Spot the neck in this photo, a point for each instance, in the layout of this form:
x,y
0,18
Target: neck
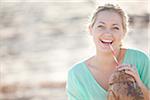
x,y
105,59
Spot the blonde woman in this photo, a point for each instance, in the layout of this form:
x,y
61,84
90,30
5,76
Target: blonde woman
x,y
89,79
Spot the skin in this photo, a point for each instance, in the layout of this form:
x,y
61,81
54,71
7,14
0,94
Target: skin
x,y
108,26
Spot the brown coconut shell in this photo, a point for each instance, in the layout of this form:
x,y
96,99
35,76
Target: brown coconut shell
x,y
124,87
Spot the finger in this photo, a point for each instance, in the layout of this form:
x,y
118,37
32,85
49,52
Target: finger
x,y
122,65
129,69
132,70
136,77
132,73
126,65
126,68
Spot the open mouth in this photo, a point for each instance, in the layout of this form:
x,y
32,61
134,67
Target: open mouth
x,y
107,42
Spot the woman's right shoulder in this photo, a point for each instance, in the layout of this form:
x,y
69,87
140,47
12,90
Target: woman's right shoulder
x,y
79,67
75,68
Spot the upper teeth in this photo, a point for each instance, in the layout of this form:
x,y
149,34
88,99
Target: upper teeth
x,y
107,40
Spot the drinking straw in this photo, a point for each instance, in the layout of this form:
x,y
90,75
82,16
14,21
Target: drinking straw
x,y
113,53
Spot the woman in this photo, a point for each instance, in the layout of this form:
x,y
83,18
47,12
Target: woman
x,y
89,79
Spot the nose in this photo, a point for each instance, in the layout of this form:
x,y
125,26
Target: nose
x,y
108,32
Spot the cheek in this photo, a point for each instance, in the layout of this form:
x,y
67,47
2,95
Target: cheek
x,y
95,38
119,37
122,36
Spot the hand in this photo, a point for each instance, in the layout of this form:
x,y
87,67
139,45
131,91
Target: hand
x,y
134,73
120,68
131,71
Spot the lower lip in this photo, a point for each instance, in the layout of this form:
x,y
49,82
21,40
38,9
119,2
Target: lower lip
x,y
105,45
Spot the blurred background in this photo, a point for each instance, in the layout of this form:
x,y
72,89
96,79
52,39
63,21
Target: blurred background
x,y
41,39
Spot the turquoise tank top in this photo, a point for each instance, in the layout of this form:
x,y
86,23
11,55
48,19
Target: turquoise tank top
x,y
81,84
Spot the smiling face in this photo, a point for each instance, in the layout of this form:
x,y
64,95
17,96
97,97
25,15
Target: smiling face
x,y
107,29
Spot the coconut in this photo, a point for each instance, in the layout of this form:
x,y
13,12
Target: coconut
x,y
123,86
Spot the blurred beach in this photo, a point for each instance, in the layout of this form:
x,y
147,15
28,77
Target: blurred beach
x,y
41,40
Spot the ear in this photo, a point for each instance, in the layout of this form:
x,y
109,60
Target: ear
x,y
90,29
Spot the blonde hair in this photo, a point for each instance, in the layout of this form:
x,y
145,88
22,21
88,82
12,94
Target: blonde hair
x,y
114,8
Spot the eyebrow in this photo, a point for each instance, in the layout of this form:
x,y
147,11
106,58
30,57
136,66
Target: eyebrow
x,y
101,22
115,24
104,23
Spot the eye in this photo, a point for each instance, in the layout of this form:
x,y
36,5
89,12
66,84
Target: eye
x,y
116,28
100,26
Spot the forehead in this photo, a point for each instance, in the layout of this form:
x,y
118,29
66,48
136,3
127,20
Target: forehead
x,y
111,17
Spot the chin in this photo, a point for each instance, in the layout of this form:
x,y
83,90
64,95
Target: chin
x,y
104,50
